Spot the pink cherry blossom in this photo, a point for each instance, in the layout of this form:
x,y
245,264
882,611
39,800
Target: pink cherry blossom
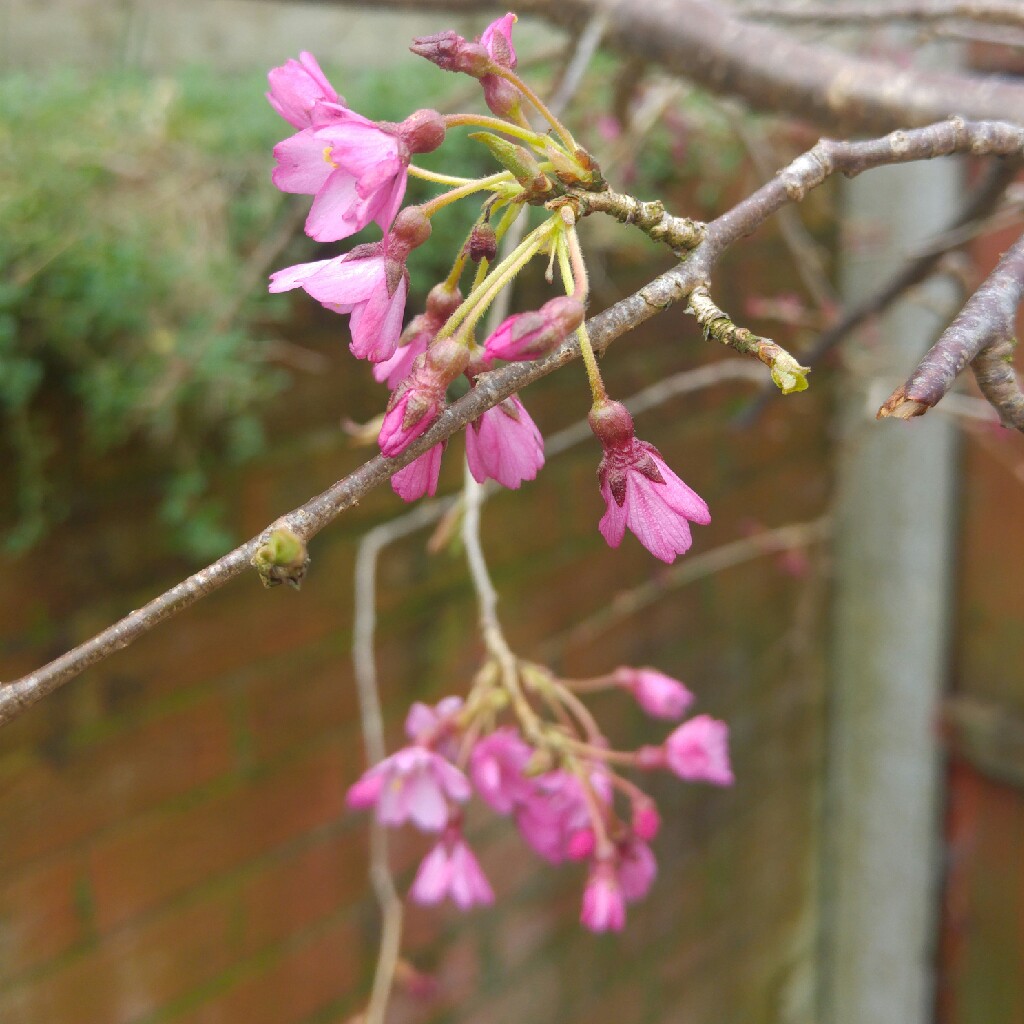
x,y
698,751
505,445
410,412
369,283
451,869
556,809
442,301
640,491
435,727
497,41
419,478
604,907
413,784
496,769
394,370
297,87
646,820
635,869
355,168
659,695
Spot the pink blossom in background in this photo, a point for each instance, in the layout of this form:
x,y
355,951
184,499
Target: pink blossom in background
x,y
604,907
451,870
659,695
435,726
297,87
640,491
635,870
496,769
698,751
369,283
556,809
413,784
646,820
505,445
419,478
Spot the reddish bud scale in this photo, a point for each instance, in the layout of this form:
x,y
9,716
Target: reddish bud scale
x,y
451,52
483,243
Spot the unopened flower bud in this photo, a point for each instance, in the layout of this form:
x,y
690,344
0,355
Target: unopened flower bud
x,y
447,358
281,558
611,423
442,301
646,820
529,335
517,159
411,228
423,131
502,97
451,52
483,243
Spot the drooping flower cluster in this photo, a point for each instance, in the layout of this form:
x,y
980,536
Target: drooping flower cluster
x,y
356,170
562,802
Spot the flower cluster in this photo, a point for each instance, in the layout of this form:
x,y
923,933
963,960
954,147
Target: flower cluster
x,y
357,171
559,792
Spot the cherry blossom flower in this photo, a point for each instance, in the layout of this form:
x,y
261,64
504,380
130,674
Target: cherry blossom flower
x,y
639,489
604,906
505,445
297,87
419,399
635,869
659,695
698,751
555,810
496,768
370,283
435,726
525,336
413,784
451,869
501,96
421,331
355,168
420,477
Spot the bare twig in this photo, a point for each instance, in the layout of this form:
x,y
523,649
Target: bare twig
x,y
630,602
977,208
987,320
791,185
768,68
991,12
993,369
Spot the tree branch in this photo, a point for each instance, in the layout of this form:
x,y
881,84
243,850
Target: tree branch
x,y
767,68
987,319
792,184
926,12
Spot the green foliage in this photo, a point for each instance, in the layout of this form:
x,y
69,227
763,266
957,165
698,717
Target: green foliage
x,y
138,226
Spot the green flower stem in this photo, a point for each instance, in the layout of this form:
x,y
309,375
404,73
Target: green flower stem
x,y
563,133
535,139
479,299
574,277
446,199
439,179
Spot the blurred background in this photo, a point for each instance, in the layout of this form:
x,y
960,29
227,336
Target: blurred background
x,y
173,841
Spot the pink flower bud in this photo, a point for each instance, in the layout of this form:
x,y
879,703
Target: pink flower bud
x,y
698,751
659,695
422,131
413,407
646,820
635,870
451,52
526,336
581,844
604,907
497,41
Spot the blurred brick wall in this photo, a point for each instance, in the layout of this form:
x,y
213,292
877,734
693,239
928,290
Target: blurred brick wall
x,y
173,842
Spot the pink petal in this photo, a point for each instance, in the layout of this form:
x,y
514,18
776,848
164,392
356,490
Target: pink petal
x,y
302,166
376,324
292,277
420,476
433,877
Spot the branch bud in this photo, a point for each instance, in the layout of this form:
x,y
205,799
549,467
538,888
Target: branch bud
x,y
281,558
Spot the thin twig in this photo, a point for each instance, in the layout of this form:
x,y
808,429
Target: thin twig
x,y
991,12
791,185
629,602
987,320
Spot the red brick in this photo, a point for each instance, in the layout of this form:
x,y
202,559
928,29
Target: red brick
x,y
294,892
52,805
129,976
307,977
39,918
151,861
